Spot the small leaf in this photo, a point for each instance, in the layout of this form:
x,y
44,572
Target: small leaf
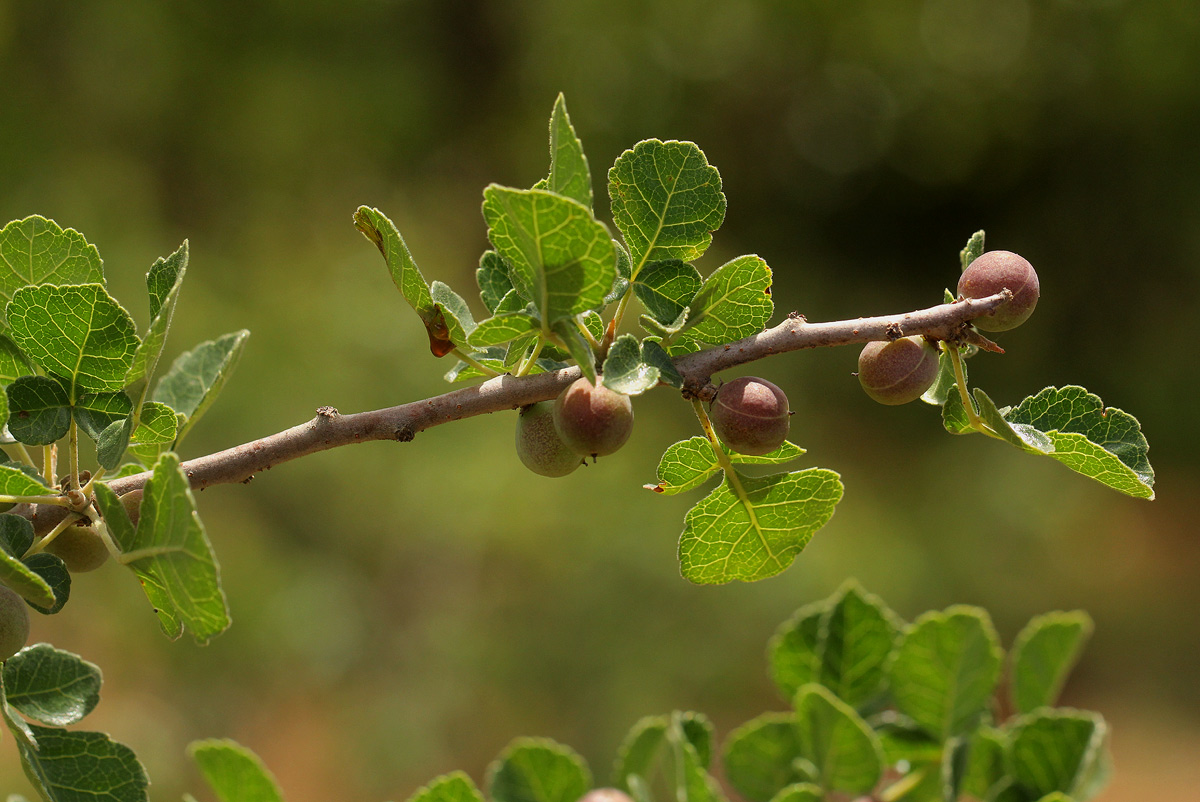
x,y
654,356
1043,655
537,770
793,652
162,283
234,773
39,410
1024,437
845,751
453,787
954,413
972,250
945,668
621,282
16,482
691,736
569,173
502,329
170,553
685,465
16,535
37,251
624,371
69,766
636,756
489,357
760,756
754,529
197,376
666,288
376,227
856,637
666,332
24,581
455,312
53,571
945,382
95,412
493,279
561,258
77,333
799,792
1103,443
985,762
157,425
1060,750
734,302
51,686
666,201
579,348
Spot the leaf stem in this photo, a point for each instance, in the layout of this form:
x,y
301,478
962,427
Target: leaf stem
x,y
529,361
50,464
24,454
40,545
73,445
484,369
960,378
56,501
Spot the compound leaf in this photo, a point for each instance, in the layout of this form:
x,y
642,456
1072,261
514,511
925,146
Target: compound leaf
x,y
734,302
841,746
751,528
197,376
666,201
38,251
78,333
51,686
1043,655
945,668
234,773
561,258
761,756
170,553
537,770
569,173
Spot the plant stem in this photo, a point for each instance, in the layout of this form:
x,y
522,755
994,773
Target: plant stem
x,y
484,369
960,379
73,445
40,545
529,361
50,464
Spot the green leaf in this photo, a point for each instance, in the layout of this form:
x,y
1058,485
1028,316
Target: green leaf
x,y
39,411
569,173
537,770
16,482
760,756
954,413
234,773
197,376
453,787
13,363
502,329
170,553
638,751
376,227
856,637
561,258
654,356
734,302
77,333
1043,655
685,465
1060,750
751,528
493,279
799,792
666,201
624,371
691,736
53,571
972,250
666,288
793,653
621,281
95,412
80,766
1024,437
666,332
455,312
37,251
489,357
834,738
945,668
51,686
16,535
985,762
162,283
14,573
945,382
157,425
578,347
1103,443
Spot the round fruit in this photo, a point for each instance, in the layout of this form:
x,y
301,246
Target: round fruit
x,y
14,623
899,371
751,415
995,271
593,420
605,795
80,548
538,444
132,502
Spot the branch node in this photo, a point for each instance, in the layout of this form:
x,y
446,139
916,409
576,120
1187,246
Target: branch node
x,y
405,434
893,331
327,412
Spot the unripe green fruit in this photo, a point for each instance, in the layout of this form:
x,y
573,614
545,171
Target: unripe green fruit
x,y
594,421
899,371
80,548
538,443
14,623
995,271
605,795
751,415
132,502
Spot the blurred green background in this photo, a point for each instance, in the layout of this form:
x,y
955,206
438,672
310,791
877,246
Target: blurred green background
x,y
404,610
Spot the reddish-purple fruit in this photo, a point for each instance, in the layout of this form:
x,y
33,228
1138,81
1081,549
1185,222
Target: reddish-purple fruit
x,y
14,623
594,421
80,548
899,371
751,415
538,444
995,271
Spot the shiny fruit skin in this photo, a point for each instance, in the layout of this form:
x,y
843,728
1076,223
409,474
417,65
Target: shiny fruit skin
x,y
594,421
995,271
14,623
751,415
899,371
538,444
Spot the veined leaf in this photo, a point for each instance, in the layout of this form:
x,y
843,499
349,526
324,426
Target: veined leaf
x,y
197,376
69,766
39,411
666,201
734,302
560,257
639,751
453,787
972,250
157,425
538,770
503,328
578,347
234,772
13,363
666,288
1060,750
625,371
834,739
376,227
569,173
50,685
14,573
53,571
761,756
455,312
38,251
16,482
162,283
493,279
689,463
751,528
95,412
1043,655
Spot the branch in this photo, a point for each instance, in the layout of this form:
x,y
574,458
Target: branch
x,y
330,429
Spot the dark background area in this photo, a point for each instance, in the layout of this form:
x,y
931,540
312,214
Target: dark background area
x,y
401,611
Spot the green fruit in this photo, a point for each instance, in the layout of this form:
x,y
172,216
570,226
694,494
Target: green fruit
x,y
594,421
132,502
14,623
751,415
995,271
80,548
538,443
899,371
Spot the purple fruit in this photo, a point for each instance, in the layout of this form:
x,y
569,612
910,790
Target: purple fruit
x,y
751,415
995,271
899,371
593,420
